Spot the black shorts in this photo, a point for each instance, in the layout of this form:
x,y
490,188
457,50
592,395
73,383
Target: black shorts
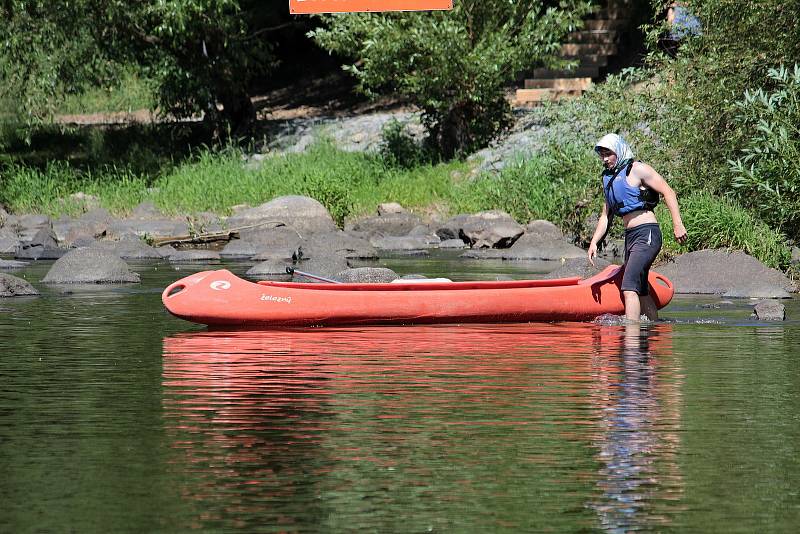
x,y
642,244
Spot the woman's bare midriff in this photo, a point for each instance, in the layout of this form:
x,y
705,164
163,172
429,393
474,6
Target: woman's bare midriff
x,y
638,217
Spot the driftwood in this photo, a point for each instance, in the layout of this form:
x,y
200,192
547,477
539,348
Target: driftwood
x,y
210,237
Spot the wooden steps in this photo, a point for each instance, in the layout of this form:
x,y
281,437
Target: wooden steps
x,y
559,84
589,48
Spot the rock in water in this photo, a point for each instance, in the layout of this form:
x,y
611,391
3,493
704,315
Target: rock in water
x,y
11,286
769,310
90,266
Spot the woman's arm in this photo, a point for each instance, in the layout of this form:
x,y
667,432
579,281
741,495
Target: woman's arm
x,y
656,182
599,232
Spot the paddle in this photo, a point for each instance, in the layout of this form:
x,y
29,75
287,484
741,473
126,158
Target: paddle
x,y
292,271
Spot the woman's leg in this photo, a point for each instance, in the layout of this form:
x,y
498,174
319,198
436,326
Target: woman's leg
x,y
633,307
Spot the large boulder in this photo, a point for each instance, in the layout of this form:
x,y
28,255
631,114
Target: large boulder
x,y
270,270
424,231
451,228
305,214
387,224
402,243
278,255
367,275
42,246
265,237
133,248
11,286
26,226
9,241
452,244
194,255
67,231
543,230
238,248
148,228
577,267
534,247
325,267
490,229
337,243
90,266
726,273
97,215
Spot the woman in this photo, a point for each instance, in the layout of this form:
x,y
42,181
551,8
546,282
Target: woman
x,y
632,189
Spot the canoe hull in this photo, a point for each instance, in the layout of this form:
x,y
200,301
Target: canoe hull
x,y
220,298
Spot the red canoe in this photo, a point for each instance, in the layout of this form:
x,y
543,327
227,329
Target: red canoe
x,y
220,298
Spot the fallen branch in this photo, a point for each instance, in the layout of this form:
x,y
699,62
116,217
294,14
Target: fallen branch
x,y
210,237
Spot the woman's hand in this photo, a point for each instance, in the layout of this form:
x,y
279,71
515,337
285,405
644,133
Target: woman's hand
x,y
680,232
592,252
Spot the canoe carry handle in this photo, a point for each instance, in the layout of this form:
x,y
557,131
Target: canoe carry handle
x,y
663,281
292,271
173,289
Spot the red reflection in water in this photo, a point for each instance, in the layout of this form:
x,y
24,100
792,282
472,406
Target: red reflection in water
x,y
263,411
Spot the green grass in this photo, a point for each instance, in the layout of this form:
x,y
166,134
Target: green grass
x,y
714,222
555,185
131,93
346,183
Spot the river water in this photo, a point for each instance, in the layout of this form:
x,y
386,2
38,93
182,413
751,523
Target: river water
x,y
115,416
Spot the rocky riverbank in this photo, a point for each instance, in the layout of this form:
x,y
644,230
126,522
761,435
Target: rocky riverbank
x,y
298,232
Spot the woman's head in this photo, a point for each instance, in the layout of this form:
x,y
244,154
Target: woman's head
x,y
614,151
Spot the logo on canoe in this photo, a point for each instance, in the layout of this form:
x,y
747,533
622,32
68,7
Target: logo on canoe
x,y
272,298
219,285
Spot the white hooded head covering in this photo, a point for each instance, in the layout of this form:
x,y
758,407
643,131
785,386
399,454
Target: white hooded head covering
x,y
618,146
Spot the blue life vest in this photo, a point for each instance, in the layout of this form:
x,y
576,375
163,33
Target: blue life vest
x,y
622,198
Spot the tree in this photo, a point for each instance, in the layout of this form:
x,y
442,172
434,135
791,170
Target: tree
x,y
47,52
453,64
203,55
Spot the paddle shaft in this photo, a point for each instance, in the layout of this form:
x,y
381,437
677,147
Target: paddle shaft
x,y
292,270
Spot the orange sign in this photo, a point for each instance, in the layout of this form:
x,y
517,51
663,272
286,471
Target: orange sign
x,y
298,7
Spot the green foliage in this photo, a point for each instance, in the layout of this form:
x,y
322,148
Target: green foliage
x,y
130,93
203,56
552,186
739,43
715,222
453,64
400,149
766,177
49,52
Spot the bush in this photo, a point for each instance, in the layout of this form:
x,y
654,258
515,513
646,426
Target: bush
x,y
400,149
766,178
553,186
453,64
